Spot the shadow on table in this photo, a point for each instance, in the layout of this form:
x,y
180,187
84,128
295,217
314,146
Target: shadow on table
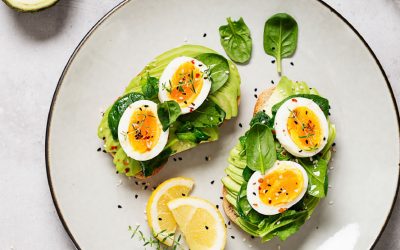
x,y
44,24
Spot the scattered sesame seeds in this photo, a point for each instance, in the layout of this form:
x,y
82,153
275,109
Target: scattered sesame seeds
x,y
206,227
229,223
272,82
217,206
159,218
104,151
233,237
212,182
221,198
119,206
240,125
136,196
183,194
255,96
99,149
273,61
255,90
205,34
291,63
180,158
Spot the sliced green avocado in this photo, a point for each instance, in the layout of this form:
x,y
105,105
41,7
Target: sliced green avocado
x,y
30,5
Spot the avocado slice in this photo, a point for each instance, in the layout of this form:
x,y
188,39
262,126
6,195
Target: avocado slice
x,y
30,5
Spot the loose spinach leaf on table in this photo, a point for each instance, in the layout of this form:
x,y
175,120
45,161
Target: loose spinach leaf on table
x,y
260,148
168,112
118,109
280,37
236,40
218,68
209,114
150,87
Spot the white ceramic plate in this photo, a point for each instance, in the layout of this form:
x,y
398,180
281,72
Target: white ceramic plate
x,y
331,56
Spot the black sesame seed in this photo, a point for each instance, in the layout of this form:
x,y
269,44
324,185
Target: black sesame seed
x,y
119,206
221,198
273,61
273,48
300,151
255,90
295,122
254,193
240,125
212,182
159,218
334,144
269,201
229,223
137,183
145,187
233,237
183,194
104,138
272,81
324,138
291,63
174,159
206,227
104,151
255,96
146,106
287,193
143,183
99,149
136,196
180,158
217,206
117,172
207,158
252,236
205,34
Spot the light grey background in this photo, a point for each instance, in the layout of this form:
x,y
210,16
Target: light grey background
x,y
34,49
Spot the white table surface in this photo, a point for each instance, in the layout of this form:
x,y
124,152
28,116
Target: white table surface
x,y
34,49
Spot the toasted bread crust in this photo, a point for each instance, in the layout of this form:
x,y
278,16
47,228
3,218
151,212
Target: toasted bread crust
x,y
263,99
228,208
260,104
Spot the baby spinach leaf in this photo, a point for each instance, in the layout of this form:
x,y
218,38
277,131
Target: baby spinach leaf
x,y
218,69
188,132
261,118
236,40
150,87
280,37
209,114
244,208
320,101
118,109
168,112
247,173
149,166
260,148
317,176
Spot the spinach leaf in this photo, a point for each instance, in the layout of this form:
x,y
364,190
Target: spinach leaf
x,y
188,132
118,109
247,173
236,40
244,208
149,166
320,101
168,112
261,118
218,68
317,172
209,114
280,37
150,87
260,148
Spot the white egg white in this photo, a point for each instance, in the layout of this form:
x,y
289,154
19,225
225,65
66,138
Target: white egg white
x,y
253,188
167,75
282,134
124,125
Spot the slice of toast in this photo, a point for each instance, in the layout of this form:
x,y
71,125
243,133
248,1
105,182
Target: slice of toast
x,y
141,176
261,102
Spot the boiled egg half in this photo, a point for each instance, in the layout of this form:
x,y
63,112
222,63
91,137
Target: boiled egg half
x,y
278,189
140,131
301,127
186,81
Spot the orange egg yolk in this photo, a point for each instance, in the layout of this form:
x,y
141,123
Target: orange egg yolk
x,y
281,186
304,128
186,84
144,130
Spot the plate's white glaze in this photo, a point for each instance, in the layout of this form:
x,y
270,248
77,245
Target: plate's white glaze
x,y
330,56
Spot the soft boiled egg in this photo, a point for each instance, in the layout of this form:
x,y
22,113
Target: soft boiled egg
x,y
140,131
278,189
186,81
301,127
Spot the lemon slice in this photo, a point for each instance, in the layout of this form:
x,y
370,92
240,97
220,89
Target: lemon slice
x,y
159,216
200,222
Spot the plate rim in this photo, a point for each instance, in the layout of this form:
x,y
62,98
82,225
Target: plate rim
x,y
122,4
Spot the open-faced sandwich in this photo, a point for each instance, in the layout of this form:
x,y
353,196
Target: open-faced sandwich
x,y
277,172
176,102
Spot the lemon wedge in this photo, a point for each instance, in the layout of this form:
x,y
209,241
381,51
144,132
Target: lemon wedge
x,y
201,223
159,217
